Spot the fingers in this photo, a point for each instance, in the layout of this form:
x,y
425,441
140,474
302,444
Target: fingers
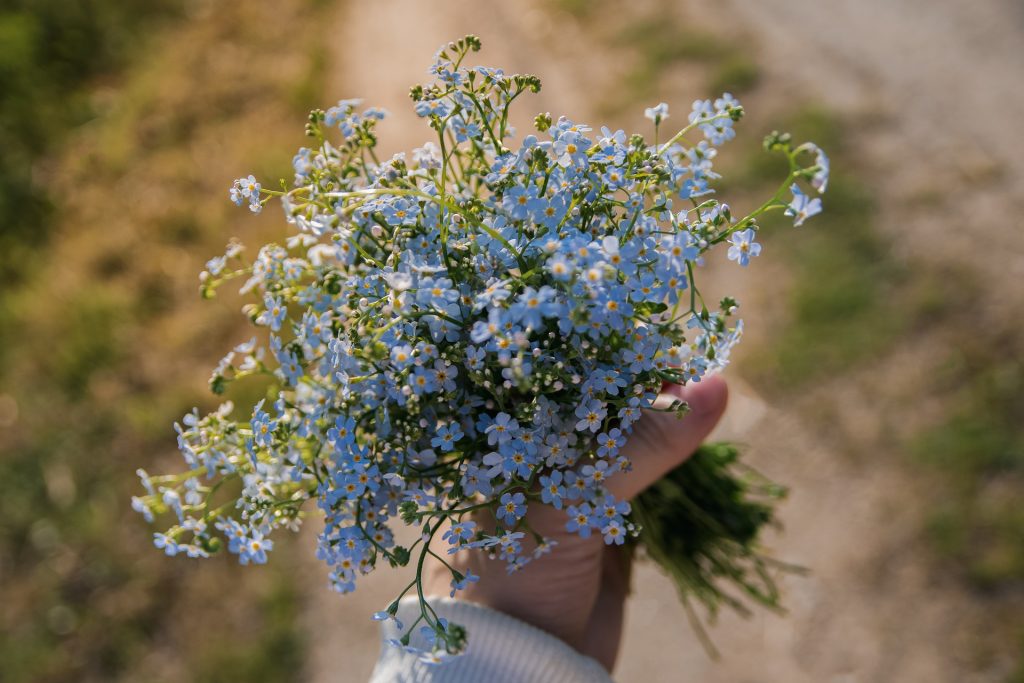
x,y
604,628
661,441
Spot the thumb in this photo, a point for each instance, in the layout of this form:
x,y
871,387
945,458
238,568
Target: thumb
x,y
662,441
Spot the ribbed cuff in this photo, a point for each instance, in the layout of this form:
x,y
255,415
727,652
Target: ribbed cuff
x,y
502,649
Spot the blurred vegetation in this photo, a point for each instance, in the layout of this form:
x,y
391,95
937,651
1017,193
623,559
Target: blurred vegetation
x,y
979,522
847,299
104,337
661,44
579,9
52,55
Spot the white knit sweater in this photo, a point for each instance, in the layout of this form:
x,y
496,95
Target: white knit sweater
x,y
502,650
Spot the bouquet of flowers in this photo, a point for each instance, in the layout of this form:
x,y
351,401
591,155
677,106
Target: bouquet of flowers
x,y
472,330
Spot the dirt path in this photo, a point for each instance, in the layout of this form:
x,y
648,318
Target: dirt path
x,y
923,72
940,81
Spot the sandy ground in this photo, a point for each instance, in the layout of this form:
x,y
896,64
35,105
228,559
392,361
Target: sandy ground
x,y
937,80
940,80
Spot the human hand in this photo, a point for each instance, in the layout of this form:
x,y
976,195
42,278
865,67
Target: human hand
x,y
577,593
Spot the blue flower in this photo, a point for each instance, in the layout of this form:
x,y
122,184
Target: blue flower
x,y
549,212
274,313
475,481
485,329
495,293
713,121
695,368
579,519
610,442
819,181
802,207
445,374
551,489
679,249
611,508
502,430
512,459
291,368
438,108
657,113
701,111
614,178
167,544
460,584
608,381
216,265
726,102
262,427
400,212
508,542
350,485
459,532
401,356
388,616
423,381
255,549
343,434
503,165
447,436
517,201
246,189
316,329
234,532
492,75
570,149
143,508
437,292
611,148
475,357
591,413
534,305
512,507
555,450
464,130
646,287
559,267
614,533
597,473
743,246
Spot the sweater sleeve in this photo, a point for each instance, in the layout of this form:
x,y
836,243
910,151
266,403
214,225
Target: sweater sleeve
x,y
501,649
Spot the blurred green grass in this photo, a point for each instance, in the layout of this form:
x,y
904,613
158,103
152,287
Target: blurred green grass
x,y
52,55
104,337
979,522
659,43
841,307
